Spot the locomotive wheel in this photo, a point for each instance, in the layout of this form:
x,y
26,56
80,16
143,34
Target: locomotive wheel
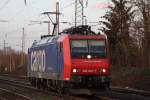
x,y
107,86
49,84
45,84
31,81
34,82
67,92
60,87
60,91
38,85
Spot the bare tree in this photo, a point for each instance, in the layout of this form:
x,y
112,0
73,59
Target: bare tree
x,y
11,60
117,28
144,27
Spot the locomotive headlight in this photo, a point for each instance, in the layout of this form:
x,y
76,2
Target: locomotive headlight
x,y
89,56
74,70
104,70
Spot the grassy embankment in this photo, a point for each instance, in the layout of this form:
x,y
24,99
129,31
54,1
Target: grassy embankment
x,y
132,77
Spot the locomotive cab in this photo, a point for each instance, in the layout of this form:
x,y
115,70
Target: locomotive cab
x,y
89,61
89,57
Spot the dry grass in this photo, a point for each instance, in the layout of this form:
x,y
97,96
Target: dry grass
x,y
138,78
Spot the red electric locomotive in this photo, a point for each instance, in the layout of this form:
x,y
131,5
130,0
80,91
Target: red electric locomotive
x,y
76,58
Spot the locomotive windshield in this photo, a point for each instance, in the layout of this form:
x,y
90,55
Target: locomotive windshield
x,y
81,48
96,46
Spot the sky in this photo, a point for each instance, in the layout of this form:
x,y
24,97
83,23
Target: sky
x,y
14,15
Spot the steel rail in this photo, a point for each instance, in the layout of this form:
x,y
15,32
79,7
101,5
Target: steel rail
x,y
16,94
131,91
27,86
112,89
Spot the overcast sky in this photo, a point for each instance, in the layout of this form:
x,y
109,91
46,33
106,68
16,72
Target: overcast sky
x,y
18,16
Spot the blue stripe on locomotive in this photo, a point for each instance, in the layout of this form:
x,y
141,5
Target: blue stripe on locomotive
x,y
54,61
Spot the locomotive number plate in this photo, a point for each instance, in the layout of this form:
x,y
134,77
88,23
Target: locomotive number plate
x,y
89,71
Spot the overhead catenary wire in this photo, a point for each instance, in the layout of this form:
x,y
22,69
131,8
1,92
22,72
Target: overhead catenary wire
x,y
5,4
17,13
21,11
69,5
2,20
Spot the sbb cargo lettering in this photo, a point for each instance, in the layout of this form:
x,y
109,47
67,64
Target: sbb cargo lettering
x,y
38,61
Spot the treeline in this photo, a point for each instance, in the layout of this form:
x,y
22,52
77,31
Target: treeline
x,y
11,60
127,25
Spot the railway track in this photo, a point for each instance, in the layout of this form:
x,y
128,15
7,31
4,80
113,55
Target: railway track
x,y
112,94
15,96
25,85
116,93
20,89
17,83
130,90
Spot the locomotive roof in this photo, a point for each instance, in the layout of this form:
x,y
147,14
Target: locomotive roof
x,y
51,39
45,40
80,30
